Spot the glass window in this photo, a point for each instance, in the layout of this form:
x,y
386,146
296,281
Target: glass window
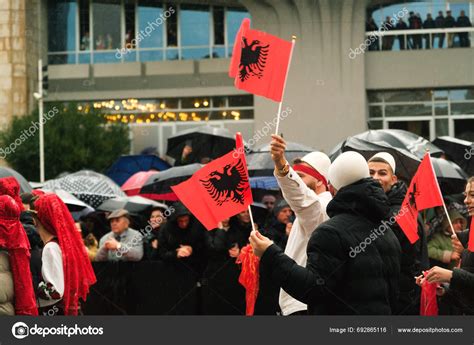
x,y
375,111
84,27
62,22
441,108
421,128
408,96
375,97
234,17
442,127
461,95
408,110
462,108
150,27
218,21
172,28
106,21
129,41
440,95
242,101
218,102
464,129
375,124
195,102
195,28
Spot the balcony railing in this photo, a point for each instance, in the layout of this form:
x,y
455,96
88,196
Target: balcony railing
x,y
420,39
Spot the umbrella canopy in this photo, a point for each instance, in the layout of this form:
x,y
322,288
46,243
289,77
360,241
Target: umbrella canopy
x,y
260,162
206,141
158,186
459,151
126,166
406,163
401,139
264,182
133,185
72,203
24,185
88,186
451,178
133,204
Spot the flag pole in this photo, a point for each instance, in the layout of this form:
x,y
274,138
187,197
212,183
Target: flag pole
x,y
277,127
251,218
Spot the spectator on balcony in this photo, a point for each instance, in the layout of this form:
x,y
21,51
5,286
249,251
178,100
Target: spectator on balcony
x,y
415,23
371,26
387,40
439,24
449,23
85,41
122,243
429,23
464,22
401,25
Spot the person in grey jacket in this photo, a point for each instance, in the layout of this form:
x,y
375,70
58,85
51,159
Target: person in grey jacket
x,y
6,285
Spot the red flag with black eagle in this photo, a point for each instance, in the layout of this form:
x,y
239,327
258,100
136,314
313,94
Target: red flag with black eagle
x,y
470,244
423,193
219,190
260,62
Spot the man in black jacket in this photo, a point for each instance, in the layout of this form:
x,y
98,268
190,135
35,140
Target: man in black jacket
x,y
463,22
439,23
401,25
414,257
450,22
353,262
429,23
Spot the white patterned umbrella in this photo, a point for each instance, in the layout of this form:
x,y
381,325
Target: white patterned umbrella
x,y
88,186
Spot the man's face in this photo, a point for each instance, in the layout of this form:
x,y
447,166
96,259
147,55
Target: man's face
x,y
469,200
382,172
308,180
269,201
119,225
462,14
284,215
183,221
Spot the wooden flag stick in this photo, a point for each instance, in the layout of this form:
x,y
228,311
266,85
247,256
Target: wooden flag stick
x,y
251,218
277,127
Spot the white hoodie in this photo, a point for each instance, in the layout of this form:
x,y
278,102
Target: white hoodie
x,y
310,211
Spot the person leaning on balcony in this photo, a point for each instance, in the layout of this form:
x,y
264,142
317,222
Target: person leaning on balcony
x,y
387,41
464,22
401,25
429,23
450,22
439,23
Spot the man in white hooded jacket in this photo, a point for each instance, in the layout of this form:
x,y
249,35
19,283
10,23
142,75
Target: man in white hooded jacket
x,y
305,189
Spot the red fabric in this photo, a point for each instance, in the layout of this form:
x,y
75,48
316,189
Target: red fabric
x,y
219,190
133,185
310,171
264,76
13,238
10,186
249,277
423,193
428,302
470,244
78,272
166,196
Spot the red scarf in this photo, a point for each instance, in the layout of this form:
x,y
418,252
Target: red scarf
x,y
428,302
78,272
249,277
10,186
13,238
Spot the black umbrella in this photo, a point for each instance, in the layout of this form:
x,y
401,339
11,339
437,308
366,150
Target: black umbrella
x,y
459,151
158,186
24,185
260,162
133,204
406,163
451,178
401,139
206,141
88,186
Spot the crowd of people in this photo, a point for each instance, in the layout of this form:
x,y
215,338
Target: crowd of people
x,y
306,236
415,22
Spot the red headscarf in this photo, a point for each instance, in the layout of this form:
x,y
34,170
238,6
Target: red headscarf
x,y
13,238
10,186
78,272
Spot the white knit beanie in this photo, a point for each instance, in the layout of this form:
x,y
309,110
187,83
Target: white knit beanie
x,y
318,161
387,157
348,168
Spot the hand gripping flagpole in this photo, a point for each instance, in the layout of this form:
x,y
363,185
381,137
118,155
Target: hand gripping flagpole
x,y
293,41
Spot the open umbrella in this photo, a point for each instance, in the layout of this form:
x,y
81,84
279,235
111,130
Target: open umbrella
x,y
451,178
158,186
88,186
126,166
459,151
401,139
24,185
133,185
206,141
133,204
406,163
260,162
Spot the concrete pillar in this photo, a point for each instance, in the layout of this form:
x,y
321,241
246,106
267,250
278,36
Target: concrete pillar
x,y
325,88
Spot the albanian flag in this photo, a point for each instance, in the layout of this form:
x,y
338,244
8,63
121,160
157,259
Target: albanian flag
x,y
219,190
470,244
428,302
260,62
423,193
249,277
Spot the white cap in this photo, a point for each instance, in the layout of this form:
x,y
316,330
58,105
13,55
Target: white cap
x,y
348,168
387,157
318,161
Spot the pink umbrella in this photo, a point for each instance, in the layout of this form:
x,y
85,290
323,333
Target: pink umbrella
x,y
133,185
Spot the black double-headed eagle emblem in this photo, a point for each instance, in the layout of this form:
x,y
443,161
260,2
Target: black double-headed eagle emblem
x,y
253,59
230,185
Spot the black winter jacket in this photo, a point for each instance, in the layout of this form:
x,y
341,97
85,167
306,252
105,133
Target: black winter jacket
x,y
353,264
